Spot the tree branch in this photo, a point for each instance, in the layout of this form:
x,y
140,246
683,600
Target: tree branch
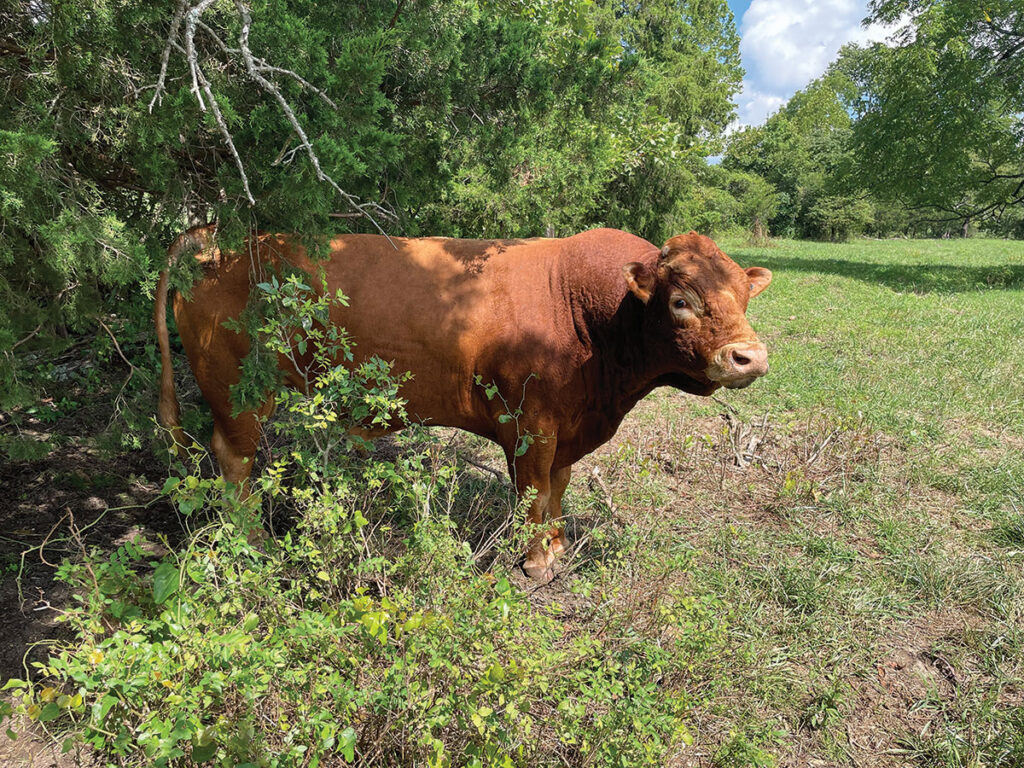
x,y
166,55
269,87
256,69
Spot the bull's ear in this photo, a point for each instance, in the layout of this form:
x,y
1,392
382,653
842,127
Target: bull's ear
x,y
759,278
640,280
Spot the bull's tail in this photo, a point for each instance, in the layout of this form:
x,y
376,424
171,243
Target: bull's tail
x,y
168,410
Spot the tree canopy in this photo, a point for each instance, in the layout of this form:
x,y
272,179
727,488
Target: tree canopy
x,y
941,118
124,122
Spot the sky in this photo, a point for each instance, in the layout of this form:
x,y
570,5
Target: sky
x,y
787,43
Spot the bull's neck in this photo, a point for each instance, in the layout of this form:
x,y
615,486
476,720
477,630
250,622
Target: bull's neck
x,y
609,322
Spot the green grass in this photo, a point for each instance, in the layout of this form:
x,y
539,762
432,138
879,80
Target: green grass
x,y
922,337
868,562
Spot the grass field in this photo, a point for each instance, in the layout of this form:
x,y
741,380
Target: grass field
x,y
837,551
856,517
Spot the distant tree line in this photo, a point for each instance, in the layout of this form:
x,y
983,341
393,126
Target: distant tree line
x,y
923,136
121,123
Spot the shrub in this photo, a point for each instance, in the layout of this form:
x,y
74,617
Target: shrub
x,y
365,632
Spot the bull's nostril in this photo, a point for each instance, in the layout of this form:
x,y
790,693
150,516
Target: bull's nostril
x,y
739,359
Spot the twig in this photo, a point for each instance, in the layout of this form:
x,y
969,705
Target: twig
x,y
118,348
119,400
501,478
165,56
34,332
595,476
824,443
725,405
46,538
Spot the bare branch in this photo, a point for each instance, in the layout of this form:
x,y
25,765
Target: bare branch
x,y
222,124
263,66
33,333
257,69
165,56
269,87
190,47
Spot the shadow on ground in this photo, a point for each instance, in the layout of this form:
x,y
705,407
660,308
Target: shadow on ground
x,y
109,500
923,278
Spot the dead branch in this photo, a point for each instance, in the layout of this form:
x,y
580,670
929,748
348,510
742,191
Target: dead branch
x,y
22,341
486,468
745,439
816,452
269,87
131,368
596,479
263,66
166,55
181,38
191,18
46,538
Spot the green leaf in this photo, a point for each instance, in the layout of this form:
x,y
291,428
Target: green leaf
x,y
49,712
165,582
496,673
101,708
347,743
201,754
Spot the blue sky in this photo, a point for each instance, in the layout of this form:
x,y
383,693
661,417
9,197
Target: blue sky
x,y
787,43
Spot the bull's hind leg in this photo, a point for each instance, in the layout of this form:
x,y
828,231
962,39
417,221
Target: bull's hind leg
x,y
235,441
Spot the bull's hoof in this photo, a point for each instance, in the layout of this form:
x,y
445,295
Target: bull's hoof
x,y
557,545
538,572
540,563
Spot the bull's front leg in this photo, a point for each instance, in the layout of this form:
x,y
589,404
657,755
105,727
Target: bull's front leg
x,y
532,473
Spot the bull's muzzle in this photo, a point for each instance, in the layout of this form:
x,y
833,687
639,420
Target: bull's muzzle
x,y
738,365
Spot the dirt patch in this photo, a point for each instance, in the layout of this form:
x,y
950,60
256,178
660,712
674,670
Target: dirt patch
x,y
109,499
914,683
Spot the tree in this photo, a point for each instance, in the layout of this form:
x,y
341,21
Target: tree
x,y
756,202
124,122
803,151
940,123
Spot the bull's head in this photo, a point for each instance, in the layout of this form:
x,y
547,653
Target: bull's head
x,y
696,299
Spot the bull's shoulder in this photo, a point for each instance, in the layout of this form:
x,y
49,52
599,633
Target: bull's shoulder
x,y
604,237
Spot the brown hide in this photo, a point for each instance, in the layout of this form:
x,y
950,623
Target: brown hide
x,y
599,320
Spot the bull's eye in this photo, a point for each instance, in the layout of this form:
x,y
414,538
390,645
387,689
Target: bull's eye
x,y
680,303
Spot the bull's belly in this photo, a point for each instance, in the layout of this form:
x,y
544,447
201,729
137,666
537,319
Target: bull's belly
x,y
437,397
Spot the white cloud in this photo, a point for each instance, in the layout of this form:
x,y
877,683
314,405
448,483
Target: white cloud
x,y
755,106
787,43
